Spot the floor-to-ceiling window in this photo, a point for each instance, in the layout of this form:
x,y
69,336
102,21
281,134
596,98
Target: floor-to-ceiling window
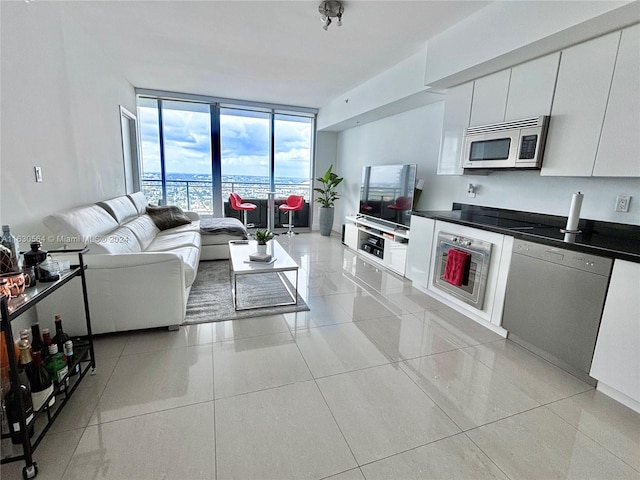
x,y
196,152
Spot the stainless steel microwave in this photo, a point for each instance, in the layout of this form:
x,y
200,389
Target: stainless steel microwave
x,y
516,144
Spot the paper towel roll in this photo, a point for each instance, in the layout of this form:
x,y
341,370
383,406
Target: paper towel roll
x,y
574,212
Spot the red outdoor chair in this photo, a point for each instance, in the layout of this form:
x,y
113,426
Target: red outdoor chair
x,y
402,204
239,205
294,203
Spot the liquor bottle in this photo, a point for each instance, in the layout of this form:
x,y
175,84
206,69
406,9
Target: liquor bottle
x,y
40,381
56,365
10,242
68,351
12,406
46,343
60,337
36,339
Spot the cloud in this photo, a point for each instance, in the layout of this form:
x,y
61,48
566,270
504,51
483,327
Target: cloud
x,y
244,143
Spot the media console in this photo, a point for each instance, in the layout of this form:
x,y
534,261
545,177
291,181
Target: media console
x,y
379,243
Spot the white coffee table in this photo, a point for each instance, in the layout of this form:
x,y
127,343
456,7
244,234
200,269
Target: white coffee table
x,y
239,251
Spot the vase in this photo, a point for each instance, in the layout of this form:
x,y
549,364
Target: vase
x,y
261,248
326,220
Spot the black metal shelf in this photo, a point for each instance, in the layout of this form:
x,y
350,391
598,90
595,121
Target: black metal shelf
x,y
43,419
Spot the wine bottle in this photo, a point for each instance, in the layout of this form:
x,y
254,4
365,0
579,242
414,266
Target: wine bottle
x,y
56,365
68,351
60,336
46,343
36,339
14,411
41,384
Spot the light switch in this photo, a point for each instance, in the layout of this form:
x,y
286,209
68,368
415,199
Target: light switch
x,y
38,171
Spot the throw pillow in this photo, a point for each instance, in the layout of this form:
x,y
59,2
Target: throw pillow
x,y
168,217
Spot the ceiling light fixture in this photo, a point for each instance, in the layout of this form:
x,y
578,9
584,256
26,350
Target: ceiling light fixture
x,y
329,10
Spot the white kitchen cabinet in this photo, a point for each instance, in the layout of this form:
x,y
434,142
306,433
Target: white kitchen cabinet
x,y
616,361
457,108
490,98
523,91
619,150
531,88
419,250
582,89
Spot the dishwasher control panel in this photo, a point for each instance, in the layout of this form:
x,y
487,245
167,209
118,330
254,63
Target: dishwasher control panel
x,y
561,256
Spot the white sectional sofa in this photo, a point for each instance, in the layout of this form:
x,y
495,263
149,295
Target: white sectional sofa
x,y
137,276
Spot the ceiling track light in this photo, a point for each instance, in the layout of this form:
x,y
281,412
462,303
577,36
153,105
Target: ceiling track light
x,y
329,10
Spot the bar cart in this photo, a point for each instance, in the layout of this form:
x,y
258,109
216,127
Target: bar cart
x,y
84,358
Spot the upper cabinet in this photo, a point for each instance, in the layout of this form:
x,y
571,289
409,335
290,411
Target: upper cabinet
x,y
595,121
489,98
584,79
531,88
457,108
521,92
619,150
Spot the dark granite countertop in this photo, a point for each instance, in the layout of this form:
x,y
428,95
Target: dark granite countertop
x,y
613,240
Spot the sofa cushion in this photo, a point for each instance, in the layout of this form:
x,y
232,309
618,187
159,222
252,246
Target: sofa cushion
x,y
120,208
168,216
144,229
121,240
167,243
82,223
194,226
139,201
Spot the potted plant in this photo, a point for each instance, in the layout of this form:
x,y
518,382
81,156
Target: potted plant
x,y
327,198
263,236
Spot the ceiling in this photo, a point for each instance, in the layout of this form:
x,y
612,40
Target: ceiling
x,y
267,51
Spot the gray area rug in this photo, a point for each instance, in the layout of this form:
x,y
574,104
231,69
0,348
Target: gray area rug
x,y
210,298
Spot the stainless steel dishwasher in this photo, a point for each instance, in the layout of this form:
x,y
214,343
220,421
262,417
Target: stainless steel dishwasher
x,y
554,303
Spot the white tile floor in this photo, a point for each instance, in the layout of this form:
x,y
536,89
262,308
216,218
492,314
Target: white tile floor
x,y
377,381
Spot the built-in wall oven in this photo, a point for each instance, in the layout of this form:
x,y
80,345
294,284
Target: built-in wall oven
x,y
472,284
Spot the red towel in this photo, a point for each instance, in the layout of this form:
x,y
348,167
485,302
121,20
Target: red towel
x,y
457,267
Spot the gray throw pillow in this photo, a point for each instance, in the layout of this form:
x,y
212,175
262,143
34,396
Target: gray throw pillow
x,y
167,217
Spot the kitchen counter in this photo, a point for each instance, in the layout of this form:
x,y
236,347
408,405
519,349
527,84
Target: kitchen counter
x,y
613,240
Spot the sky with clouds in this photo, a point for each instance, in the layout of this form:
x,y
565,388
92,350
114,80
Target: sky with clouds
x,y
245,142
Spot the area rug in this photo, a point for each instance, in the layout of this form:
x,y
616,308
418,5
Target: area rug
x,y
210,298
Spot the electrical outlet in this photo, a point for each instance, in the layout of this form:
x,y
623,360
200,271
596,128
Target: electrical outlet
x,y
38,172
622,203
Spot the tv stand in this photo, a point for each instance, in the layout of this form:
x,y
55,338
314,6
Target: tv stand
x,y
381,244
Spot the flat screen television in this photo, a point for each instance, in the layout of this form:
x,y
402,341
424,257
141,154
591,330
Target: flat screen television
x,y
386,193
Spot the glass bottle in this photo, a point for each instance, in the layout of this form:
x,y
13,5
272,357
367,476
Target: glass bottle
x,y
9,241
13,408
68,351
60,337
46,343
56,365
41,384
36,339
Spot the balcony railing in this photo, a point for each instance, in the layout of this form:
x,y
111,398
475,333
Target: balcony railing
x,y
197,195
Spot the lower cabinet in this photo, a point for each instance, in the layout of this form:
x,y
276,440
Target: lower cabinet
x,y
616,360
419,250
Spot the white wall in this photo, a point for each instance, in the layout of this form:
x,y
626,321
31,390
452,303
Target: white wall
x,y
414,137
326,154
409,137
60,110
